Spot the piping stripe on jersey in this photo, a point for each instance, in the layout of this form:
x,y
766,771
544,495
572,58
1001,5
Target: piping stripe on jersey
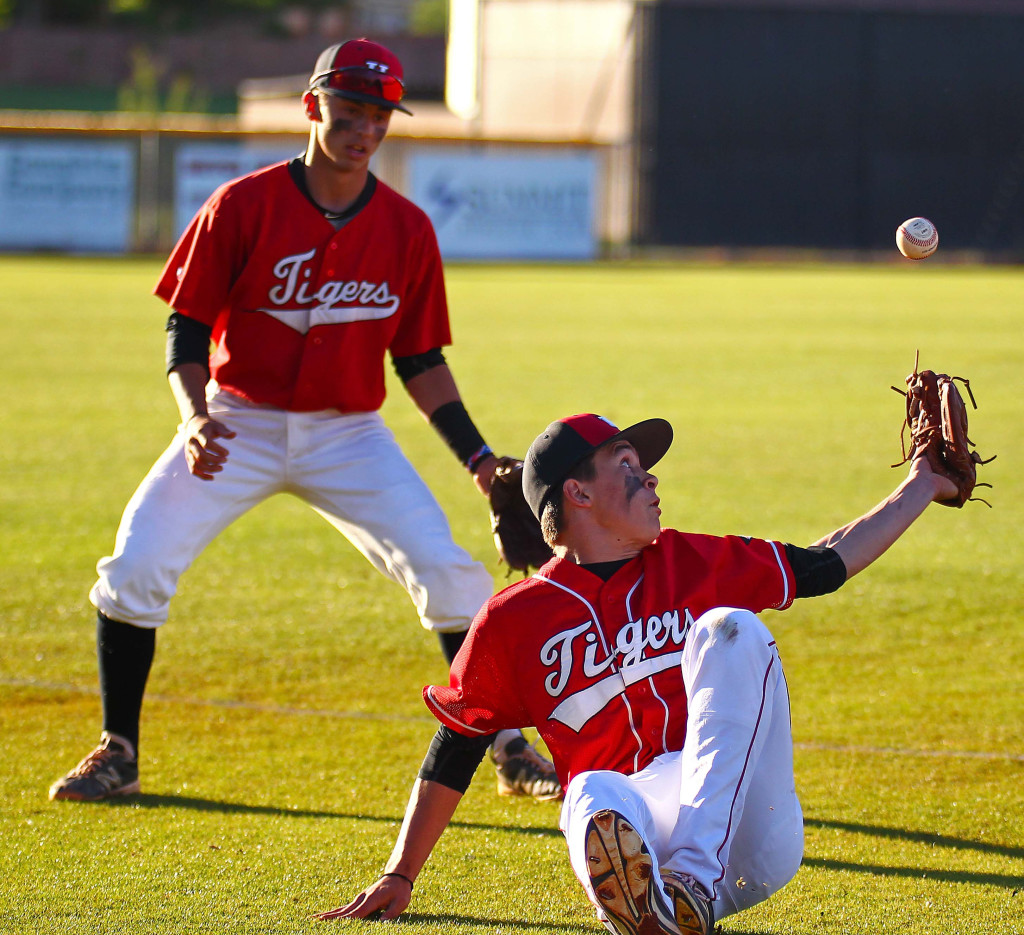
x,y
650,680
444,716
590,608
785,581
664,724
632,727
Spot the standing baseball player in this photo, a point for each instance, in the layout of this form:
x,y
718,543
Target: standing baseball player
x,y
637,654
302,276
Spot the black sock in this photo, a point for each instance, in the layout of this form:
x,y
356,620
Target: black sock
x,y
450,643
125,655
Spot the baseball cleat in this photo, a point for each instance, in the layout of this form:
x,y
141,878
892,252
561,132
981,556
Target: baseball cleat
x,y
110,770
523,771
691,908
621,873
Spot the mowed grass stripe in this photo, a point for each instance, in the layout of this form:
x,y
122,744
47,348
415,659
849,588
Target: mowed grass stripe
x,y
57,687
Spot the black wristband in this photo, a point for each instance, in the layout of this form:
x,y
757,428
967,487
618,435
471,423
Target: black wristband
x,y
454,425
401,876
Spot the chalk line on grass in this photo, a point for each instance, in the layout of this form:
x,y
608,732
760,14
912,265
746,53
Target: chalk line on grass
x,y
286,711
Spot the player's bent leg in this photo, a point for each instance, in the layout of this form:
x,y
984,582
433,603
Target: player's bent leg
x,y
736,769
767,847
642,807
170,519
766,854
357,477
606,827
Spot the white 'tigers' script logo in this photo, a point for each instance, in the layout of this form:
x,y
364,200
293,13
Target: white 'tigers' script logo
x,y
296,305
559,654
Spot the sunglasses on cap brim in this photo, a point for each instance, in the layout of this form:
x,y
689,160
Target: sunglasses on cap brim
x,y
362,81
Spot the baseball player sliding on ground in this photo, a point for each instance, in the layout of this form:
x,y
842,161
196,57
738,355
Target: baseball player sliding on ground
x,y
637,654
303,275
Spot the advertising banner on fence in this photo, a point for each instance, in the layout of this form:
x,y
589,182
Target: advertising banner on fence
x,y
508,206
74,196
199,168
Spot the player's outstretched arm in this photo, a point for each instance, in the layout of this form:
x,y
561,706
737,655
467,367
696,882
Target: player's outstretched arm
x,y
204,455
861,542
428,813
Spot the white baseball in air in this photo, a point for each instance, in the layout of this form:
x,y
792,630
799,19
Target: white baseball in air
x,y
917,238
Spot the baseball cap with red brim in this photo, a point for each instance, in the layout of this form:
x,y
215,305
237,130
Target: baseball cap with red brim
x,y
565,444
361,70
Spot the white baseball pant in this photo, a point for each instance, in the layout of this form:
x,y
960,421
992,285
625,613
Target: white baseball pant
x,y
349,468
723,810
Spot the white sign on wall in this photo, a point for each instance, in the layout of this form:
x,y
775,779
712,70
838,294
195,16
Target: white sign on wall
x,y
503,206
200,168
76,196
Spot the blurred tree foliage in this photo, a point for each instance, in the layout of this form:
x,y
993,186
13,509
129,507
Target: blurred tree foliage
x,y
429,18
426,17
175,15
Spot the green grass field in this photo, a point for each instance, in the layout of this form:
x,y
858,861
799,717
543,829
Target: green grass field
x,y
284,725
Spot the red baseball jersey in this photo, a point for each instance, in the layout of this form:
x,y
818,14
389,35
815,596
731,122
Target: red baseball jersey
x,y
301,313
595,665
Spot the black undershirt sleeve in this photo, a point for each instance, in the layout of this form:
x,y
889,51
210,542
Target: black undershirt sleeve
x,y
188,342
453,758
818,570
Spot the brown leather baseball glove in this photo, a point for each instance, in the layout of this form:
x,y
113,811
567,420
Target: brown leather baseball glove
x,y
516,530
937,419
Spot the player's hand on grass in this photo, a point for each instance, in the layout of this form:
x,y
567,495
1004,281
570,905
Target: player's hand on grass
x,y
384,900
203,454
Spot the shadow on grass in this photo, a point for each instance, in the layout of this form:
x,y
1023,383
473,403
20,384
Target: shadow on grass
x,y
451,918
241,808
921,873
918,837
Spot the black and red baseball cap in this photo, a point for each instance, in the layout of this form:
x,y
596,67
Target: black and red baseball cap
x,y
565,444
361,70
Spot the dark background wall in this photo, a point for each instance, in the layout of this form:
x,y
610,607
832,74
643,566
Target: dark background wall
x,y
827,127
